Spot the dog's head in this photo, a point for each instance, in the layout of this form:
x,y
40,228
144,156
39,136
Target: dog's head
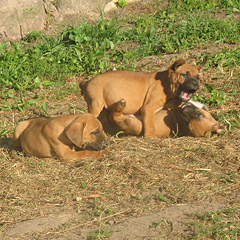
x,y
86,132
199,120
185,78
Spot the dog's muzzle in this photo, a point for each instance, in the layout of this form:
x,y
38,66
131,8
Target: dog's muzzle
x,y
99,145
188,88
188,111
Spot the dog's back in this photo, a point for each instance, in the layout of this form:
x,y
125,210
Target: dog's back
x,y
108,88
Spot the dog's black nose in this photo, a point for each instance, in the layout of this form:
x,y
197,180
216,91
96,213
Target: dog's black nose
x,y
191,83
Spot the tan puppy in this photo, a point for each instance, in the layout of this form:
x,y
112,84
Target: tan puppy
x,y
144,92
179,119
61,137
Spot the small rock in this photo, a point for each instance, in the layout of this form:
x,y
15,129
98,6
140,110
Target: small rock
x,y
110,7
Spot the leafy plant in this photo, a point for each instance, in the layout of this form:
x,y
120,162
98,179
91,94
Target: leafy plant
x,y
199,5
3,130
101,234
122,3
40,61
216,97
216,225
230,118
44,106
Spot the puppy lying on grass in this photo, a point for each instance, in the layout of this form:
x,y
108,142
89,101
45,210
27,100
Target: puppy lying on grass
x,y
70,137
177,119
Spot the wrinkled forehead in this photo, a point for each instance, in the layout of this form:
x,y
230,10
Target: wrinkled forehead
x,y
92,122
207,117
193,70
95,125
206,114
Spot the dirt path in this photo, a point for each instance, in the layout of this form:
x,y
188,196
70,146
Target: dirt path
x,y
167,223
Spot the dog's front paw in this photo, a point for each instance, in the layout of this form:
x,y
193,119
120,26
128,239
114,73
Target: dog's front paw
x,y
104,152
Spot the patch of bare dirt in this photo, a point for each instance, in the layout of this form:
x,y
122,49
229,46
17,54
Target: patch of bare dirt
x,y
166,223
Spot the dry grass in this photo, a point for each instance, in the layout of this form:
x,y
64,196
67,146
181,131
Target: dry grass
x,y
139,177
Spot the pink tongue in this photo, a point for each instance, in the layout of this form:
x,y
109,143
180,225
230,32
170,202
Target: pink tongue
x,y
185,95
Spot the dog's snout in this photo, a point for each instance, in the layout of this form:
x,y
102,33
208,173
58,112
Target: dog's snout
x,y
102,142
195,84
191,83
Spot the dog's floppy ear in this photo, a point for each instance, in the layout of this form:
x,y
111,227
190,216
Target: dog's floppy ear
x,y
177,64
74,132
200,67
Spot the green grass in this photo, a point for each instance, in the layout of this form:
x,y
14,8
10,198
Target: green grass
x,y
199,5
216,97
39,62
216,225
121,3
230,118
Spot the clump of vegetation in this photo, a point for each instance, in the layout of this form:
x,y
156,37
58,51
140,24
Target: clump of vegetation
x,y
122,3
216,225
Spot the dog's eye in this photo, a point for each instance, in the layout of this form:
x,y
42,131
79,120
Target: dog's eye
x,y
200,116
97,132
184,74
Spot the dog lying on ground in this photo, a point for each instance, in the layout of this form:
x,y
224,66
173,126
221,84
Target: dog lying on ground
x,y
178,119
144,92
66,137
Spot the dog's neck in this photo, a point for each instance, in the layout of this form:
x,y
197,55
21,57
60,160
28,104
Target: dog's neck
x,y
165,79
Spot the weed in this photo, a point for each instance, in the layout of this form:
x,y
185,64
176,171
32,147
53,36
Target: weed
x,y
161,197
216,225
3,130
216,98
226,58
101,234
121,3
89,48
34,36
44,106
199,5
119,133
230,118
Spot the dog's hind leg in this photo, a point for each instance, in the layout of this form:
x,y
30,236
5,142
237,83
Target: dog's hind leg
x,y
95,107
148,114
129,124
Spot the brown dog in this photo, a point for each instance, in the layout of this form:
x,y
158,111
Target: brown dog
x,y
178,119
143,92
61,136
